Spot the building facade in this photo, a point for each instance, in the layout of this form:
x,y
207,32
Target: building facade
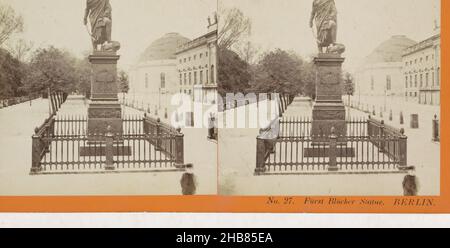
x,y
421,71
197,66
172,65
153,80
381,73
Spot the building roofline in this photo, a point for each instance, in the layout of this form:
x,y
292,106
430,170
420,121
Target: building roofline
x,y
202,40
421,45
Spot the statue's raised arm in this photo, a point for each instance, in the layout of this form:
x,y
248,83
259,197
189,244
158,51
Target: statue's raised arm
x,y
324,14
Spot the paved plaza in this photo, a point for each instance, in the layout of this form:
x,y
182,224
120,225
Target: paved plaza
x,y
237,160
15,160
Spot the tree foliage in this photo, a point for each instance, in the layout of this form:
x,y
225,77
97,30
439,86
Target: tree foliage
x,y
10,23
349,86
11,75
51,68
234,73
282,72
123,81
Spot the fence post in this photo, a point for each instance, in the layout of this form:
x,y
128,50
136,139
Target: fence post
x,y
145,124
382,137
158,134
36,151
369,127
436,134
109,150
179,149
403,149
332,151
260,156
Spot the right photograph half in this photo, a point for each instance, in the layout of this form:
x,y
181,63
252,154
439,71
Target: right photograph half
x,y
329,97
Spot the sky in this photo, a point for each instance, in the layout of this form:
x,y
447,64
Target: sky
x,y
362,24
136,23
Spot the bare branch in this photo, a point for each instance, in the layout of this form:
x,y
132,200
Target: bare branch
x,y
10,23
233,26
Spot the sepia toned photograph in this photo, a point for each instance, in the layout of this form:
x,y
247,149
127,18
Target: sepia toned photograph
x,y
108,97
329,97
222,99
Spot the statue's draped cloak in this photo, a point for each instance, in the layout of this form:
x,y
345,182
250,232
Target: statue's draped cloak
x,y
324,10
98,9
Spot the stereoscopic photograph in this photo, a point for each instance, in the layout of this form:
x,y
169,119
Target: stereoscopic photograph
x,y
108,97
220,98
329,97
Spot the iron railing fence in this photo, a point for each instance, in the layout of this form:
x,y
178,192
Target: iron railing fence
x,y
356,127
356,155
369,147
62,145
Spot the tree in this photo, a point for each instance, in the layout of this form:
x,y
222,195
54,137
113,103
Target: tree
x,y
233,26
234,75
278,72
10,23
11,75
20,49
349,86
124,82
248,52
52,68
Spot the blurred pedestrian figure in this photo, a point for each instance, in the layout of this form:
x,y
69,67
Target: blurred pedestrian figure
x,y
189,181
410,182
212,127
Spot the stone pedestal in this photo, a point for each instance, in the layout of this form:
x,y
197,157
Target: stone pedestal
x,y
329,109
104,109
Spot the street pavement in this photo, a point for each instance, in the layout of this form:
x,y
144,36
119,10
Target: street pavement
x,y
237,160
16,129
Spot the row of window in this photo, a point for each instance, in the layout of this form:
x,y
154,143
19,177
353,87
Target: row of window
x,y
187,59
420,60
186,78
409,82
412,94
188,92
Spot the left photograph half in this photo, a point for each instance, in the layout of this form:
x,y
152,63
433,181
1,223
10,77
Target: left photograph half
x,y
108,97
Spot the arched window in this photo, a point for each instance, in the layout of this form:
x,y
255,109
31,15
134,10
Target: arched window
x,y
212,74
163,80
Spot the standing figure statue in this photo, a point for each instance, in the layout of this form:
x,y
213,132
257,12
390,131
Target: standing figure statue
x,y
324,13
99,13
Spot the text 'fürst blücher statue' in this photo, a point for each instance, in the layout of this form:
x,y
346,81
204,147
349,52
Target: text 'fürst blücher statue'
x,y
99,13
324,14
